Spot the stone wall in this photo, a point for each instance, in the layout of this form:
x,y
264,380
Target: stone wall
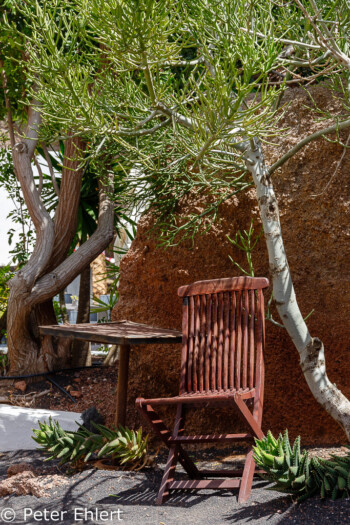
x,y
315,215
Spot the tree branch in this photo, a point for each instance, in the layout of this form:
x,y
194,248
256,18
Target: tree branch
x,y
22,155
7,105
306,140
48,285
51,170
327,38
283,40
40,172
141,132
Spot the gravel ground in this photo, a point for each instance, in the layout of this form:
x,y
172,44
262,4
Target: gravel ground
x,y
100,496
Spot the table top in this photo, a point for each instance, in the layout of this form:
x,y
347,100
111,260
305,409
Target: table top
x,y
117,333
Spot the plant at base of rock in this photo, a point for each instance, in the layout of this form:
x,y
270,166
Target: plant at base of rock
x,y
122,445
293,472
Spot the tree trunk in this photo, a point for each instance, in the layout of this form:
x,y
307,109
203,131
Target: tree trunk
x,y
48,271
81,350
311,350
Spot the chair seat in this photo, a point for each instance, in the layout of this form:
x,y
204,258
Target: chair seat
x,y
201,397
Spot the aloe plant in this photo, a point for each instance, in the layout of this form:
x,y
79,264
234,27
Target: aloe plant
x,y
294,472
122,445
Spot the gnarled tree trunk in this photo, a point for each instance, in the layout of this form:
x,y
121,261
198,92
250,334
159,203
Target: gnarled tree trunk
x,y
81,350
48,270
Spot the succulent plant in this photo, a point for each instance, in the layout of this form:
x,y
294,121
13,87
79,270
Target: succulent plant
x,y
294,472
122,445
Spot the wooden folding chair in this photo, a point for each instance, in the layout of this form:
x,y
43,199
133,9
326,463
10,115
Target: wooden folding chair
x,y
222,364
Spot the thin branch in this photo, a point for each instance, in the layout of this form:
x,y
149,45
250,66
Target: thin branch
x,y
139,133
325,40
7,105
184,121
318,134
308,63
149,79
336,168
282,40
184,63
51,170
147,119
40,172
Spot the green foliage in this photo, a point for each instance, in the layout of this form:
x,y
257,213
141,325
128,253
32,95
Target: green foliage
x,y
5,275
294,472
59,311
19,215
4,364
121,445
168,92
246,243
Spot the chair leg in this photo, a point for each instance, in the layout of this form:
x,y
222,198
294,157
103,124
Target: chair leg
x,y
251,419
155,422
247,477
168,475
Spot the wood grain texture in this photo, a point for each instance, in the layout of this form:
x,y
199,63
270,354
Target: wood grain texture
x,y
223,285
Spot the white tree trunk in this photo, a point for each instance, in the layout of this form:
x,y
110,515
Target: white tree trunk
x,y
311,350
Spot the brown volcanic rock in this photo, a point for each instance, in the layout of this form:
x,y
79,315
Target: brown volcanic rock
x,y
316,232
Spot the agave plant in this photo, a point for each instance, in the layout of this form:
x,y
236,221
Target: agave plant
x,y
122,445
294,472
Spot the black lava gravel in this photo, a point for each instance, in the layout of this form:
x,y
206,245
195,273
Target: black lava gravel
x,y
100,496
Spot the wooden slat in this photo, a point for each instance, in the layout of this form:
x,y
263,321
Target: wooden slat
x,y
251,339
184,353
205,484
208,344
239,341
197,321
245,338
211,438
226,341
215,342
119,332
232,340
260,369
220,342
223,285
190,344
203,336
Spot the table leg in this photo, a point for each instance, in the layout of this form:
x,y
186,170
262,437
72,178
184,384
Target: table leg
x,y
122,388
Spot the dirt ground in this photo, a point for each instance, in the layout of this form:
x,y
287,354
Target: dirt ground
x,y
94,386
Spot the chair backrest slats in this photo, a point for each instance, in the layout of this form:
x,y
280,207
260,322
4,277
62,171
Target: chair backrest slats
x,y
203,341
226,341
245,338
239,340
215,341
251,338
197,321
223,333
232,340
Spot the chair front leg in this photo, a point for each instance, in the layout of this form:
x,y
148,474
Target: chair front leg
x,y
156,423
249,417
247,477
168,475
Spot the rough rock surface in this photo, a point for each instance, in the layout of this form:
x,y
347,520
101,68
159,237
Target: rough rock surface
x,y
314,205
26,482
